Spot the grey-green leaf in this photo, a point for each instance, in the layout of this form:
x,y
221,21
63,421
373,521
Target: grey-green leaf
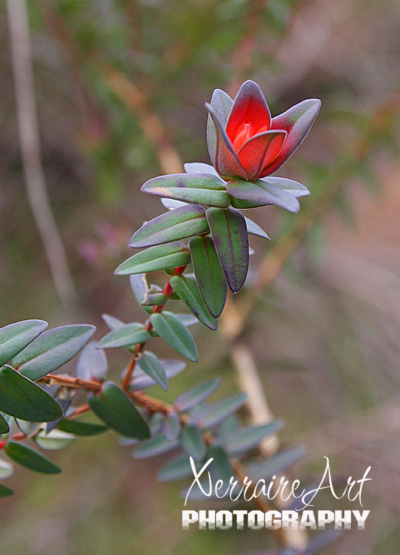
x,y
209,275
255,229
92,363
156,258
126,336
5,491
25,456
155,446
215,414
188,291
248,438
174,225
15,337
116,409
193,397
275,465
21,398
151,366
171,329
192,442
52,349
207,189
229,232
171,426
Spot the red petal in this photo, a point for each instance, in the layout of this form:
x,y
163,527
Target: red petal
x,y
226,160
261,150
249,106
297,121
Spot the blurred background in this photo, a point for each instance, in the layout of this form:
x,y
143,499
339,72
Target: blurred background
x,y
118,97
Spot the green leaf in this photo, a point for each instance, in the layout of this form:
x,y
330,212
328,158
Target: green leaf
x,y
255,229
5,491
15,337
6,469
154,297
80,428
4,427
51,350
151,366
188,291
193,397
114,407
174,332
229,232
30,458
248,438
126,336
204,188
215,414
209,275
171,426
155,446
181,223
192,442
247,194
54,440
23,399
155,258
139,286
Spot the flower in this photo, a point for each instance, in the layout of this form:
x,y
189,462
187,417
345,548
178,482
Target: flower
x,y
245,142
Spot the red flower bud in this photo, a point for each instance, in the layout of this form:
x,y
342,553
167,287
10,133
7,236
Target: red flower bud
x,y
245,142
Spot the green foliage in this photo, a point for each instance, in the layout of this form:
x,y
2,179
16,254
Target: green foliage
x,y
125,336
188,291
21,398
25,456
155,258
114,407
51,350
15,337
174,332
151,366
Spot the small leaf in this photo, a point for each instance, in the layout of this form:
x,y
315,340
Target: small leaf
x,y
112,322
15,337
171,367
171,329
204,188
177,469
25,456
139,286
293,187
80,428
21,398
187,289
188,320
155,258
229,232
215,414
171,426
197,395
275,465
4,427
6,469
54,440
248,438
175,225
151,366
192,441
154,446
221,468
209,275
255,229
5,491
92,363
171,203
114,407
126,336
51,350
247,194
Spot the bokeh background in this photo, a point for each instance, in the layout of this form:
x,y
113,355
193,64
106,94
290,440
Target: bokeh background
x,y
119,89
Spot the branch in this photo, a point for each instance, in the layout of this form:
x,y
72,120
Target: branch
x,y
30,149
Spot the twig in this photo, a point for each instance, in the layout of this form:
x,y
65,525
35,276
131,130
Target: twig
x,y
30,150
